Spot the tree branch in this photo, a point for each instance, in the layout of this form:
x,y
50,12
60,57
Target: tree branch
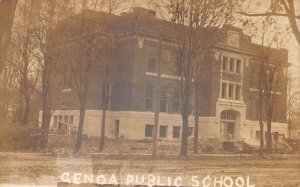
x,y
267,14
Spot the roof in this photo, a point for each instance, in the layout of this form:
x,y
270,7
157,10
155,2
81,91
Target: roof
x,y
143,21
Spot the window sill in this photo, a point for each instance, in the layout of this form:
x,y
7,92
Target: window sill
x,y
256,90
66,90
231,72
231,100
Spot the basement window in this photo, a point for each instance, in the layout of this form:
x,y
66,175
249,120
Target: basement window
x,y
117,128
190,131
148,131
257,135
55,122
163,131
71,120
176,132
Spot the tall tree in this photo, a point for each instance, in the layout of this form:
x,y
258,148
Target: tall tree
x,y
81,67
28,70
293,99
270,40
48,13
107,51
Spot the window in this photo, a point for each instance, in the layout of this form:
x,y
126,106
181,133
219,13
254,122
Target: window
x,y
148,131
231,89
257,135
227,115
253,110
66,119
238,66
166,55
55,122
237,92
190,131
225,63
59,120
176,102
163,131
71,120
65,81
151,50
151,65
224,88
163,98
275,114
70,79
149,97
176,131
254,76
275,80
231,65
117,128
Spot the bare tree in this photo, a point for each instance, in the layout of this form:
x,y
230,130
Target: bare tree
x,y
281,8
48,12
193,21
8,88
81,67
268,72
28,70
292,103
107,51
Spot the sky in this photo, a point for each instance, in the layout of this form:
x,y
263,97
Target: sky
x,y
291,44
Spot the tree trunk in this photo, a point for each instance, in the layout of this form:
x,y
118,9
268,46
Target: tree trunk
x,y
261,100
24,80
196,133
7,11
269,137
291,12
185,119
104,108
46,116
184,136
78,143
196,113
26,109
261,145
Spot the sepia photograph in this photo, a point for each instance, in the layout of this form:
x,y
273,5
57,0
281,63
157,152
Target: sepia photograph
x,y
149,93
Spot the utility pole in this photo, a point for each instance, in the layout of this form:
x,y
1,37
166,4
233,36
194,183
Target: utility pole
x,y
157,96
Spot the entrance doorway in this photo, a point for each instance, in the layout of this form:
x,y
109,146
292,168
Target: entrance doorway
x,y
228,125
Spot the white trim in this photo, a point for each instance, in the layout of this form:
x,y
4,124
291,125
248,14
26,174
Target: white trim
x,y
66,90
256,90
174,77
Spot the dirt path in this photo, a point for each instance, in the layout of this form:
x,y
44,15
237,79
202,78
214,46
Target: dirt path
x,y
37,169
